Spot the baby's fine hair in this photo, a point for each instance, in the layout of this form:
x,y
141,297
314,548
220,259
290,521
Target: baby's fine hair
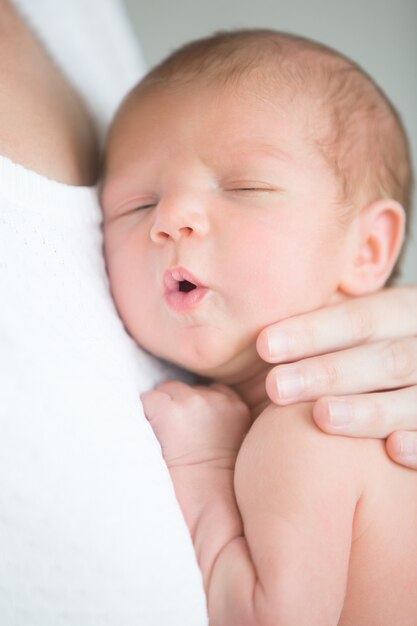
x,y
351,121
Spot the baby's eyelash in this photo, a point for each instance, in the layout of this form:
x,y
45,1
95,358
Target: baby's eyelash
x,y
248,185
144,206
250,189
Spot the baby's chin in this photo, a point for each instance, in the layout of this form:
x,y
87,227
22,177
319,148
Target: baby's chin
x,y
218,358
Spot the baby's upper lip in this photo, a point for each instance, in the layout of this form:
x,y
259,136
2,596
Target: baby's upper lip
x,y
176,275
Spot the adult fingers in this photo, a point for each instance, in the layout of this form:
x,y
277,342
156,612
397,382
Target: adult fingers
x,y
374,415
382,365
387,314
402,448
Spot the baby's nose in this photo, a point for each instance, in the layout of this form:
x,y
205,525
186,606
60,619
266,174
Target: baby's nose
x,y
161,234
175,223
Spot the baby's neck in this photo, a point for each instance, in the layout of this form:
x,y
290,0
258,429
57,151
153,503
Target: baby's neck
x,y
252,390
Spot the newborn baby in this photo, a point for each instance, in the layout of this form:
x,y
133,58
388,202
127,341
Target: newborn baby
x,y
250,177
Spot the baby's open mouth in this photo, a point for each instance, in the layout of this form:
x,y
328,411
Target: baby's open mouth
x,y
180,279
186,286
182,290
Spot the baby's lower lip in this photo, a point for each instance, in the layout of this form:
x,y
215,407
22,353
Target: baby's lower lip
x,y
182,301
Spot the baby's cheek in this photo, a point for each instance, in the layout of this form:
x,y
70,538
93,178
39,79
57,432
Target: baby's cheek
x,y
120,271
279,273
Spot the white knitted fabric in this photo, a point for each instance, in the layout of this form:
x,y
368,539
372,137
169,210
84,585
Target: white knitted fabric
x,y
90,531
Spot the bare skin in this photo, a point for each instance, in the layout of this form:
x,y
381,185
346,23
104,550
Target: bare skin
x,y
347,352
44,123
291,527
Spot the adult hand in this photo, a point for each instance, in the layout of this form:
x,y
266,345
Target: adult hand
x,y
358,360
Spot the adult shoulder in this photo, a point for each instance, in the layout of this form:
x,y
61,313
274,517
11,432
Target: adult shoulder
x,y
44,124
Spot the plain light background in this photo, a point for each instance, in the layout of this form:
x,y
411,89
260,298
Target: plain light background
x,y
379,34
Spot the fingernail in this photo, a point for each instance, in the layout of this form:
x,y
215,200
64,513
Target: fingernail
x,y
340,412
290,383
278,344
408,446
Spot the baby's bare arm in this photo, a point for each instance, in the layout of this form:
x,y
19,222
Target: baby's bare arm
x,y
282,556
201,430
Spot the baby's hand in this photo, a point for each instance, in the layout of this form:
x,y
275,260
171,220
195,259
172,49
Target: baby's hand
x,y
197,425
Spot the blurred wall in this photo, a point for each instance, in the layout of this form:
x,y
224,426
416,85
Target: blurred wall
x,y
380,34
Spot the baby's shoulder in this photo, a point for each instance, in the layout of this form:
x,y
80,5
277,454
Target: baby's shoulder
x,y
294,425
291,435
297,447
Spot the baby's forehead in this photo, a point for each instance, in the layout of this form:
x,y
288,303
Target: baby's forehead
x,y
258,92
240,110
263,141
234,110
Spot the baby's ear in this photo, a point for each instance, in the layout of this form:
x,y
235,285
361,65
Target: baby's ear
x,y
377,234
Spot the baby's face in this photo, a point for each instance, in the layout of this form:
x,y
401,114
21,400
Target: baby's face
x,y
219,219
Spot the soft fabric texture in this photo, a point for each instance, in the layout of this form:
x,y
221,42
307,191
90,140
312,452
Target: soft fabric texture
x,y
90,530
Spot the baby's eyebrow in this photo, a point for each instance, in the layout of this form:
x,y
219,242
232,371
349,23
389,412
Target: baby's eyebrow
x,y
249,148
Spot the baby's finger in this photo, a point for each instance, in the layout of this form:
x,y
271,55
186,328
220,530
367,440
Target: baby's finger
x,y
375,415
387,314
155,404
176,389
225,390
402,448
378,366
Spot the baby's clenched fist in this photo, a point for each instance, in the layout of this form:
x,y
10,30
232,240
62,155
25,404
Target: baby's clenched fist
x,y
197,424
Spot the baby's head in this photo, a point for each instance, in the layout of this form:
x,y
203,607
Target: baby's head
x,y
251,176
